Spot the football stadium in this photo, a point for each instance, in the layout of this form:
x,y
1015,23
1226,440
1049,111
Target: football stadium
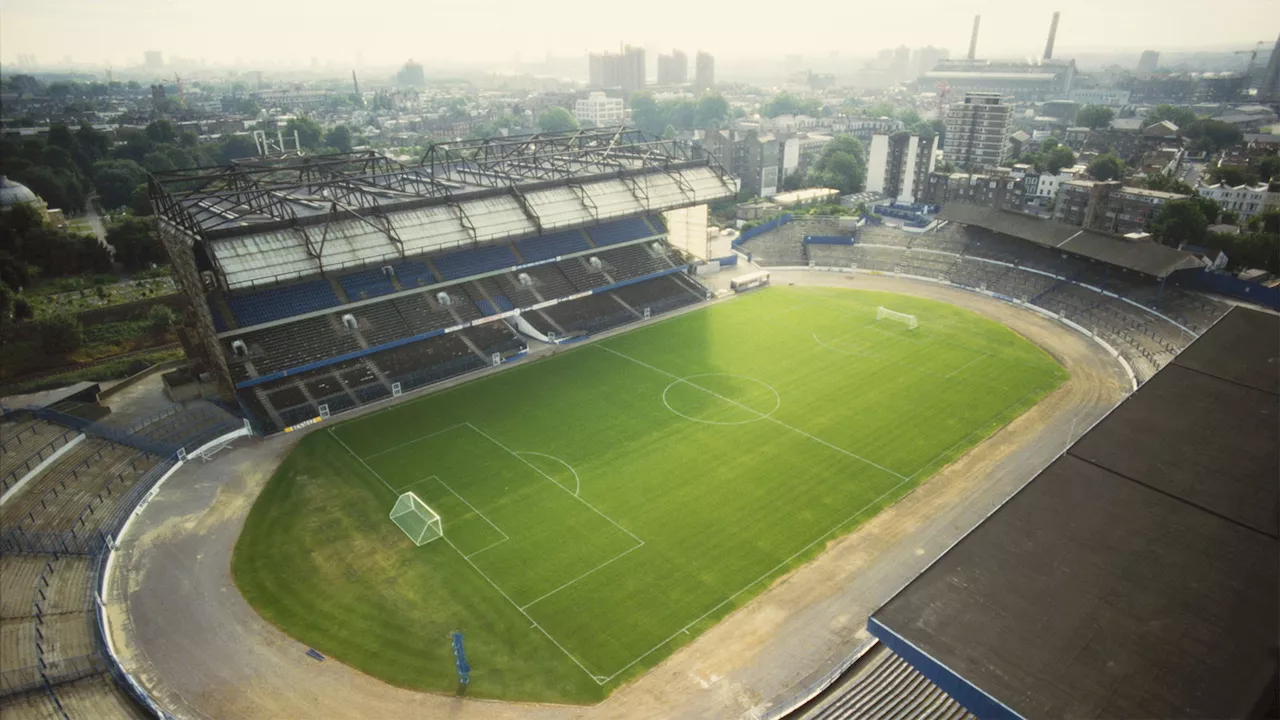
x,y
510,431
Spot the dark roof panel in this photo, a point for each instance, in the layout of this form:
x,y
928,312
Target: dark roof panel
x,y
1090,596
1246,350
1203,440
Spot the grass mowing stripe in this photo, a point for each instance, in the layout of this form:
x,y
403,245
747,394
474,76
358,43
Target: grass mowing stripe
x,y
675,502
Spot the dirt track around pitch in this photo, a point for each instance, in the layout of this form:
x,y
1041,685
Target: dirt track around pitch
x,y
182,628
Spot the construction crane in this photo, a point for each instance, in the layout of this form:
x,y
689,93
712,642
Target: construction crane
x,y
943,91
1253,56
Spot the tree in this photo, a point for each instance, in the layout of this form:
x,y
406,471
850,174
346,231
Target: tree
x,y
909,117
784,103
310,136
712,110
137,242
1048,144
556,119
1218,134
842,165
1058,157
1180,221
669,133
1269,168
646,114
160,319
1167,183
116,180
1229,217
411,75
1095,116
339,138
235,146
58,188
136,146
161,131
140,201
878,110
1181,117
60,333
1234,175
1106,167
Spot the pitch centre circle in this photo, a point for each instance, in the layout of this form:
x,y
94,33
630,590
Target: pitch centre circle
x,y
721,398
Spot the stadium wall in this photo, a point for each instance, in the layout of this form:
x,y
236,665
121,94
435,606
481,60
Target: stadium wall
x,y
1228,285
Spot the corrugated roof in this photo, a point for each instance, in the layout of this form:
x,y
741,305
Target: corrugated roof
x,y
1148,258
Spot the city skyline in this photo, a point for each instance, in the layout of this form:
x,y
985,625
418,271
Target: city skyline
x,y
247,33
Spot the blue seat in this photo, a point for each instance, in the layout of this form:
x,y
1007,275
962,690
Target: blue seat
x,y
414,274
365,284
466,263
620,231
277,303
548,246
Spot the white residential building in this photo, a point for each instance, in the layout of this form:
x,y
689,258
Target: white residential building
x,y
1244,199
898,165
599,109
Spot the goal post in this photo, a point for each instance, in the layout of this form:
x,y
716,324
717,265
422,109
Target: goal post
x,y
883,313
416,519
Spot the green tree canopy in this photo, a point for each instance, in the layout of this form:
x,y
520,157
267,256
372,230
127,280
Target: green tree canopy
x,y
1095,116
785,103
1182,117
1106,167
1058,157
162,131
712,110
556,119
310,136
1180,221
1234,175
137,242
60,333
115,181
842,165
1167,183
1218,134
339,138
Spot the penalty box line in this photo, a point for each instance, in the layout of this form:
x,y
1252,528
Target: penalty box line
x,y
753,411
481,573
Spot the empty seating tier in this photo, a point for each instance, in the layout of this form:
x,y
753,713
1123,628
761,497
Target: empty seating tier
x,y
549,246
475,261
366,284
620,232
277,303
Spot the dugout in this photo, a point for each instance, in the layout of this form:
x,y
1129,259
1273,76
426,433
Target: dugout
x,y
1136,576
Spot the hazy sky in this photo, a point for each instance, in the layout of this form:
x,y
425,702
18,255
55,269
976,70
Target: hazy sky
x,y
388,31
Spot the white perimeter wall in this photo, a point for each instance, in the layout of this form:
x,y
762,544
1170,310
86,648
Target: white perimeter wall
x,y
687,230
877,162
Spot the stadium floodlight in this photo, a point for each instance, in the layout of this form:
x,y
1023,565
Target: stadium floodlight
x,y
883,313
418,521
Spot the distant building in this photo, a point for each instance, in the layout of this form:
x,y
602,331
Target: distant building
x,y
898,166
599,109
625,70
978,131
293,99
926,59
1019,80
704,72
901,65
1148,62
673,69
865,128
1108,206
153,59
1247,200
1186,88
1000,188
750,155
1111,97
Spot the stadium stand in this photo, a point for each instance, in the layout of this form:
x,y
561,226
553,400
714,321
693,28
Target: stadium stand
x,y
25,444
621,232
1145,321
262,306
477,261
1136,575
366,284
882,685
53,545
550,246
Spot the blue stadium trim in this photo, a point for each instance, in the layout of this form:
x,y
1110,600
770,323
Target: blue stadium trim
x,y
828,240
964,692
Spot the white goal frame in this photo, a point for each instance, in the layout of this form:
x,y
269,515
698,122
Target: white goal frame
x,y
884,313
416,519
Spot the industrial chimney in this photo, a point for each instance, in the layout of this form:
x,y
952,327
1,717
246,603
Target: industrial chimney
x,y
1053,33
973,41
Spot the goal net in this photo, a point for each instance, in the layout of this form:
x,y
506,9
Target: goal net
x,y
418,521
887,314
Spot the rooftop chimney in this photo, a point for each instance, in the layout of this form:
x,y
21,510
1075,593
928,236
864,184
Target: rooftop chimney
x,y
973,41
1053,33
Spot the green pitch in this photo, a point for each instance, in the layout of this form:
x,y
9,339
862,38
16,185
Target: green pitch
x,y
604,506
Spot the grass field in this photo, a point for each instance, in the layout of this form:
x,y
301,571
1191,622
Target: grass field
x,y
604,506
